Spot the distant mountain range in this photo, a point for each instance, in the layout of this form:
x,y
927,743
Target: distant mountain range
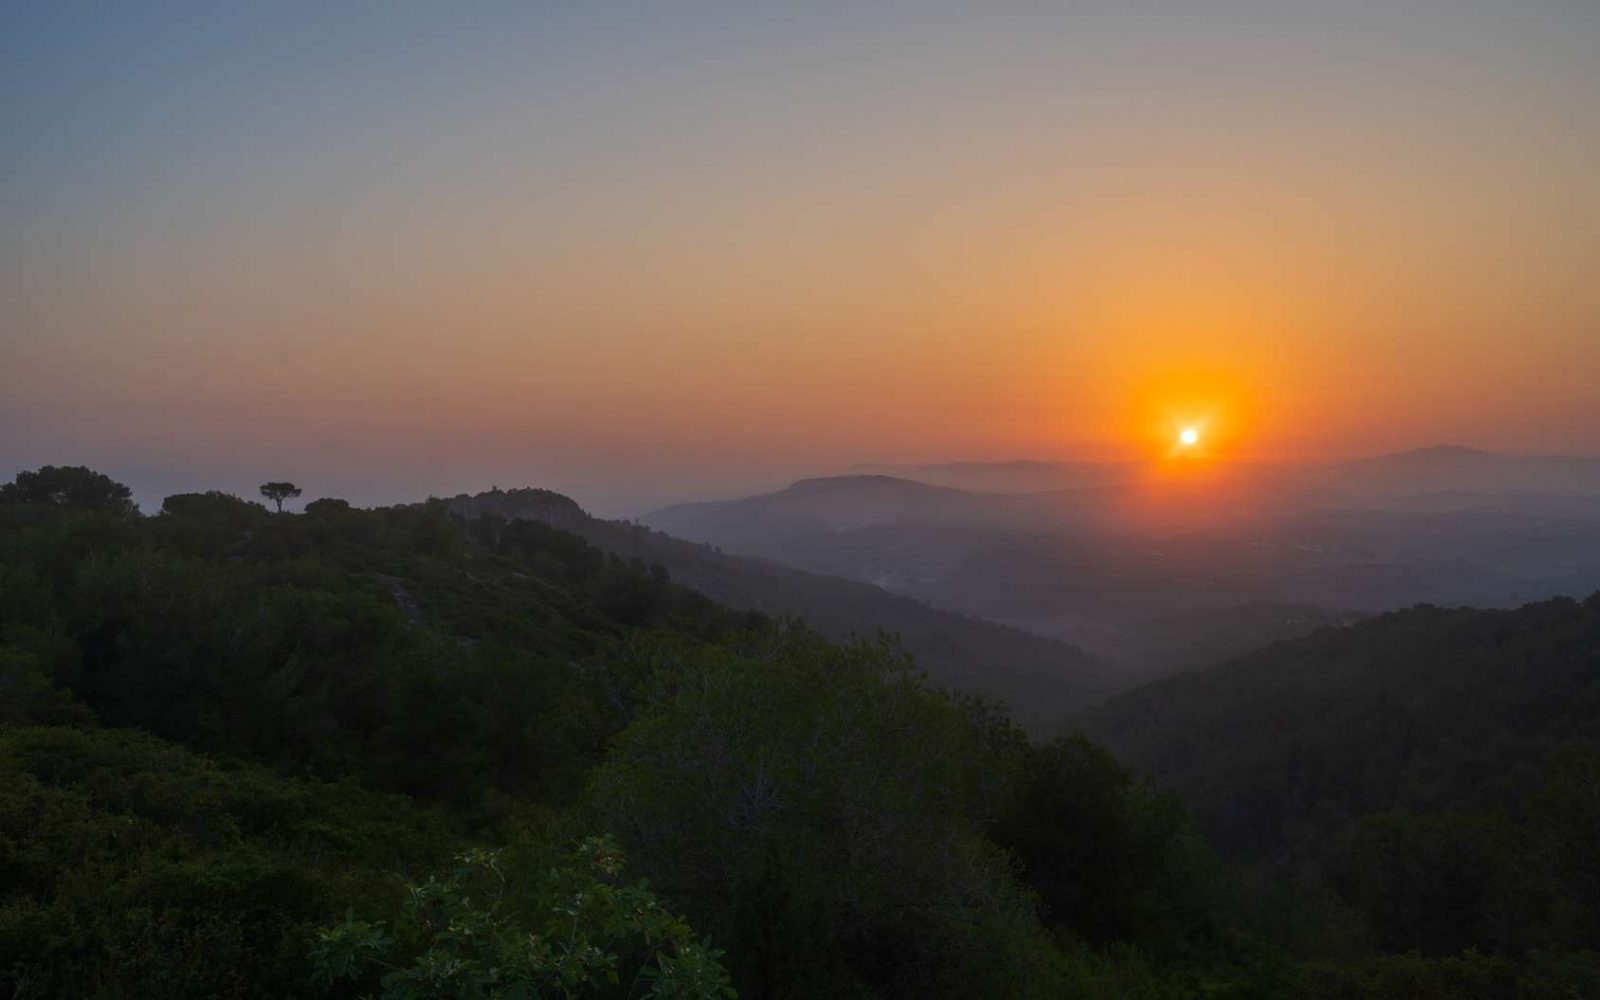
x,y
1446,479
1456,470
1040,678
837,504
1441,469
1120,560
1020,476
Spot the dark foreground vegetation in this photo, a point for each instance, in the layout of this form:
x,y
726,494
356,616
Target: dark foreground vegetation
x,y
1430,779
401,753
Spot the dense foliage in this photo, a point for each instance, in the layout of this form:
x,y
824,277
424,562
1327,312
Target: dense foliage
x,y
262,728
195,706
132,867
1421,783
402,752
1041,680
68,486
466,934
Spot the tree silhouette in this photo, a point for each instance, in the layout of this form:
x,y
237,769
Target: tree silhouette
x,y
328,507
279,492
69,486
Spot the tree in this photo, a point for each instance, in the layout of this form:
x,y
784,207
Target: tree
x,y
69,486
213,505
279,492
1111,858
819,811
207,523
328,507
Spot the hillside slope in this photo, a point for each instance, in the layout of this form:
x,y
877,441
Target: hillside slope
x,y
335,703
835,503
1039,679
1422,709
1422,782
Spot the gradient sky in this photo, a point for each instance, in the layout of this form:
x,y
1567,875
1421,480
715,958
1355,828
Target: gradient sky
x,y
650,252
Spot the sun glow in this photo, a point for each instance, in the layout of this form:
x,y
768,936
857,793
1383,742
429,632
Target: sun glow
x,y
1189,437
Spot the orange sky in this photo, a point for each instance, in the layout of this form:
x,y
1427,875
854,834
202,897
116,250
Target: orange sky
x,y
714,251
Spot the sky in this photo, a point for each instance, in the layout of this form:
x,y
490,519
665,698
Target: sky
x,y
645,253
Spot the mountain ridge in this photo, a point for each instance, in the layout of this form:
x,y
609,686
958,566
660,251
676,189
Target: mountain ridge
x,y
1040,678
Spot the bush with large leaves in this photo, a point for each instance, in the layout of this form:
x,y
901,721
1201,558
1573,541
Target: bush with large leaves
x,y
580,932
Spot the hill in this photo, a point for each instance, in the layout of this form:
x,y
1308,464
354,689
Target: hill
x,y
1426,708
411,753
1436,469
837,503
1449,469
1039,679
1186,549
1019,476
1434,769
234,744
222,728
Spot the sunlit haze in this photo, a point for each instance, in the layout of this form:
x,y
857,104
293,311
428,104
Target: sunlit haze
x,y
658,253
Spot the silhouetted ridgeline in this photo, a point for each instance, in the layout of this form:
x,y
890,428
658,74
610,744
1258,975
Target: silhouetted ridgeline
x,y
1040,679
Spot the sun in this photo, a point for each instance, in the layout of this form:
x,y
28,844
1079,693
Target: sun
x,y
1189,437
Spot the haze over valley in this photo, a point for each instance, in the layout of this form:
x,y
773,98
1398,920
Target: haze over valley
x,y
1143,562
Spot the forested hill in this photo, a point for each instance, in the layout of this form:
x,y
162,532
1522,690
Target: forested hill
x,y
407,754
1437,769
221,729
1422,709
1041,680
382,643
